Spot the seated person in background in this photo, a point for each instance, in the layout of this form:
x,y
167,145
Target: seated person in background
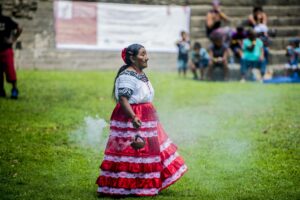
x,y
219,54
200,59
214,18
257,17
292,53
237,41
183,53
253,55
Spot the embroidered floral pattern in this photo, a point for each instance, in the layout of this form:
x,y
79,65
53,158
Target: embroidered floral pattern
x,y
141,77
126,92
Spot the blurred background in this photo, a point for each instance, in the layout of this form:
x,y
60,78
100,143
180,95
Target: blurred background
x,y
40,44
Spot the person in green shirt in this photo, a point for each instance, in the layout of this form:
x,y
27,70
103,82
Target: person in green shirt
x,y
253,54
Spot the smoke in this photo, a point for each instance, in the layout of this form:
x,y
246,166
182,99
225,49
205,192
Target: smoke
x,y
185,126
91,133
218,121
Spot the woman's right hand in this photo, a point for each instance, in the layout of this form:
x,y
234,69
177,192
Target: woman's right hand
x,y
136,122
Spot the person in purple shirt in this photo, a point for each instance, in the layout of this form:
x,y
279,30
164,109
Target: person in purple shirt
x,y
237,41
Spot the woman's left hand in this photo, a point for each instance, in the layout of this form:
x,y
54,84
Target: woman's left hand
x,y
136,122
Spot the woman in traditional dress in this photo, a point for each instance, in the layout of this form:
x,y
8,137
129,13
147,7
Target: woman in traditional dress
x,y
139,158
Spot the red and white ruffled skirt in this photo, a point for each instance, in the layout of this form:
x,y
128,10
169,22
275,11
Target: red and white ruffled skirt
x,y
143,172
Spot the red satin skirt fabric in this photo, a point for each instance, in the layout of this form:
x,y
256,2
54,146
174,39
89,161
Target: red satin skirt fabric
x,y
143,172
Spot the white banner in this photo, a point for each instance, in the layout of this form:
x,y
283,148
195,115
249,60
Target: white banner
x,y
109,26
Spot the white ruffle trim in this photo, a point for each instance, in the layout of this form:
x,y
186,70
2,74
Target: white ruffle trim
x,y
143,134
132,159
168,161
151,191
130,175
118,124
165,145
122,191
175,176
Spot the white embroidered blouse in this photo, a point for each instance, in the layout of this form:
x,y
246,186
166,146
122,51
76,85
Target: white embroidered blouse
x,y
136,87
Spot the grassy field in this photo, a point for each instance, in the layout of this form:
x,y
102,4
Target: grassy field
x,y
240,141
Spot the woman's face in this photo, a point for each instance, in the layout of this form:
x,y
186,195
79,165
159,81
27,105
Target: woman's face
x,y
141,60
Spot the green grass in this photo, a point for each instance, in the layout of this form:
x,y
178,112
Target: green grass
x,y
240,141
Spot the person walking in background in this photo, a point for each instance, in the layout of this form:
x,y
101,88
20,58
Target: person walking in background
x,y
183,53
219,55
253,55
140,159
9,32
199,60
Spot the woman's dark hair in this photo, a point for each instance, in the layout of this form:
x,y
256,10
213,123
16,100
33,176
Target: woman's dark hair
x,y
240,29
257,8
197,45
131,50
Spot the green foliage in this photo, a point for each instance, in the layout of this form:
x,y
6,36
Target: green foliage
x,y
240,141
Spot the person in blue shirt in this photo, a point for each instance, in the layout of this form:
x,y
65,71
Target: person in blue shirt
x,y
293,54
199,60
253,55
183,53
